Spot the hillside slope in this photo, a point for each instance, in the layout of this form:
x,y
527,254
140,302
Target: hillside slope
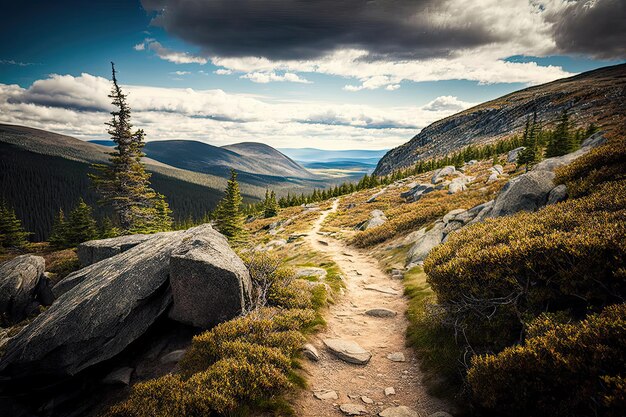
x,y
597,96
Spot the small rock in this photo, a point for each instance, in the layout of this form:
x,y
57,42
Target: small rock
x,y
498,168
512,155
352,409
325,394
311,272
557,194
396,357
390,391
119,376
367,400
401,411
173,357
348,351
322,242
381,312
310,352
380,288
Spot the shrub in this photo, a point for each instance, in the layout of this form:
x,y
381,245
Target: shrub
x,y
569,370
493,276
601,164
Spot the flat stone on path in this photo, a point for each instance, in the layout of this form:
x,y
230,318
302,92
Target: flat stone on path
x,y
348,351
396,357
380,288
381,312
309,351
367,400
401,411
390,391
325,394
352,409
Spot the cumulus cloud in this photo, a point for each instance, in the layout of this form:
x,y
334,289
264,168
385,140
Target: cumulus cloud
x,y
223,71
170,55
181,72
382,43
79,106
266,77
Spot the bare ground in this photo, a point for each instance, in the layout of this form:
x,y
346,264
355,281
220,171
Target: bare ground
x,y
380,336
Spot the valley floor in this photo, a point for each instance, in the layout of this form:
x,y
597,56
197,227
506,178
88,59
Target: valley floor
x,y
367,287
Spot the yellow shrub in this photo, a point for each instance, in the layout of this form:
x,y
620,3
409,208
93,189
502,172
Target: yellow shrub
x,y
570,370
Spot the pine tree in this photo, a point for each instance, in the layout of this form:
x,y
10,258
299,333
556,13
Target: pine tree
x,y
561,141
12,234
80,226
531,154
270,207
229,218
58,237
125,184
108,229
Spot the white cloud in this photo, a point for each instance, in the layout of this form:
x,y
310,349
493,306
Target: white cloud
x,y
266,77
223,71
139,47
79,106
171,55
181,72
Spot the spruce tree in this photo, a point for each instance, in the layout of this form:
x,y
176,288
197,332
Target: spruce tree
x,y
561,141
12,234
124,183
270,206
80,226
531,154
58,237
228,215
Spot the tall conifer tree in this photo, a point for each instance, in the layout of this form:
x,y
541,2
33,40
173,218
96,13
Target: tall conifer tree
x,y
229,218
124,183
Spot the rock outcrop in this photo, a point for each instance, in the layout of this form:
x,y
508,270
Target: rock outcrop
x,y
108,305
97,250
528,192
377,218
20,284
417,191
588,96
210,283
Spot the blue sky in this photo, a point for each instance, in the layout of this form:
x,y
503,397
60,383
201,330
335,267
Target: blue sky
x,y
328,83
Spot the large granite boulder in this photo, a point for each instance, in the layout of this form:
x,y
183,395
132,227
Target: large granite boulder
x,y
425,243
528,192
377,218
20,280
108,306
210,283
96,250
440,174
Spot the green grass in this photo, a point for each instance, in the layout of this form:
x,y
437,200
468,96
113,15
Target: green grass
x,y
435,346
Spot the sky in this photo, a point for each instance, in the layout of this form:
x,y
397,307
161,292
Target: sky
x,y
329,74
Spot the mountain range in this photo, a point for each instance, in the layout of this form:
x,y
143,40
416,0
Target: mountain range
x,y
597,96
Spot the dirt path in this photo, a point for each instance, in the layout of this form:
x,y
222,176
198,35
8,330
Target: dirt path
x,y
380,336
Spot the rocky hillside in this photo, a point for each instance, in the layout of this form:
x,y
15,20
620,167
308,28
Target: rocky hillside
x,y
597,96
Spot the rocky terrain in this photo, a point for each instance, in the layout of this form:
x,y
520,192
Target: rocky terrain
x,y
597,96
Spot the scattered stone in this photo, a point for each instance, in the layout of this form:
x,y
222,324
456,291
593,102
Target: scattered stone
x,y
557,194
417,191
173,357
512,155
440,414
438,175
119,376
492,178
307,272
325,394
310,352
377,218
401,411
322,242
396,357
380,288
381,312
452,215
210,283
457,185
367,400
352,409
19,281
375,196
498,169
390,391
348,351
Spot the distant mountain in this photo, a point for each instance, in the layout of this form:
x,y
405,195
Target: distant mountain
x,y
41,172
321,155
597,96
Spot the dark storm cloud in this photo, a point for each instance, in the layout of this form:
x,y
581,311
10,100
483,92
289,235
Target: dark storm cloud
x,y
595,28
296,29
